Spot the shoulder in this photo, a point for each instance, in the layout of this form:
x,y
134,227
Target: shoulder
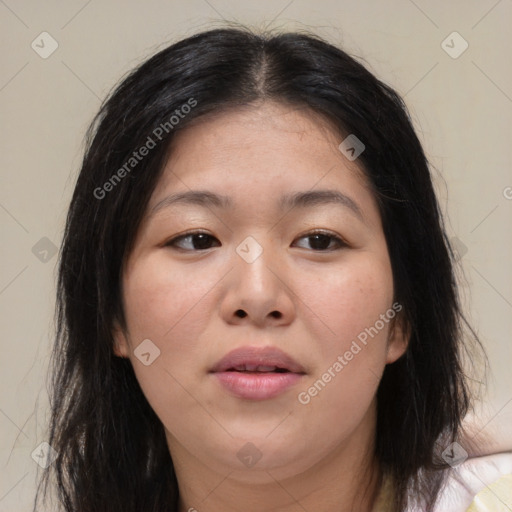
x,y
478,484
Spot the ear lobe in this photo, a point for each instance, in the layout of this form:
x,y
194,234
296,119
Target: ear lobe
x,y
121,346
398,341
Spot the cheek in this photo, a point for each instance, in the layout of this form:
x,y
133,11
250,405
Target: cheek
x,y
355,306
172,310
349,301
166,306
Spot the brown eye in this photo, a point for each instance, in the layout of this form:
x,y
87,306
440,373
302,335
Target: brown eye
x,y
321,241
196,241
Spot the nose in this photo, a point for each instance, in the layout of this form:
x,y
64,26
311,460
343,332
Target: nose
x,y
259,291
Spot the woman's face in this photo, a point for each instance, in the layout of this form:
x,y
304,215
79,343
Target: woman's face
x,y
259,279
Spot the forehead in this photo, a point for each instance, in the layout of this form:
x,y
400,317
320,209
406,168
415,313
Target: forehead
x,y
258,149
265,125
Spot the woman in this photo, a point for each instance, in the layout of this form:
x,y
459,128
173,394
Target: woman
x,y
211,353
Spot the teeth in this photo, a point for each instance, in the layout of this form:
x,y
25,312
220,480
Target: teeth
x,y
255,368
265,368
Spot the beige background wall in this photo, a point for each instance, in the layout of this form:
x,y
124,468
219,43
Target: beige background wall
x,y
461,106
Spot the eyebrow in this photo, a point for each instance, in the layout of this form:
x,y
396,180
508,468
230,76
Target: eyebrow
x,y
302,200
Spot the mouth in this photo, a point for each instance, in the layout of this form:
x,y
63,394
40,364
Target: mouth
x,y
258,360
254,373
256,369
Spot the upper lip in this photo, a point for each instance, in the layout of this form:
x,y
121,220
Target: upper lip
x,y
257,356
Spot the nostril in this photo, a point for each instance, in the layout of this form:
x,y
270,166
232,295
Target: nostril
x,y
240,313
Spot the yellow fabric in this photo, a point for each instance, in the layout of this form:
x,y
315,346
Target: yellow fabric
x,y
496,497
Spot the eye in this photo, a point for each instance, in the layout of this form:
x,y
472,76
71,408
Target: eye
x,y
320,241
201,239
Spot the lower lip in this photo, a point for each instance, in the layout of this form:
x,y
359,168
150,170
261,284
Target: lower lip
x,y
257,386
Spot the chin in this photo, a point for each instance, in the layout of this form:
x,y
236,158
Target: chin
x,y
259,459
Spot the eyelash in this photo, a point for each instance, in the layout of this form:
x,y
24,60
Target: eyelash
x,y
341,243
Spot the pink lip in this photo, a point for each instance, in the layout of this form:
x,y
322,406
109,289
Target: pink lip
x,y
254,385
257,387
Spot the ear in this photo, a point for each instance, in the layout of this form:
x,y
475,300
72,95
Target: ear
x,y
121,345
398,341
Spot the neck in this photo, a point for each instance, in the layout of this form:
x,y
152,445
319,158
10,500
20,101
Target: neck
x,y
347,480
